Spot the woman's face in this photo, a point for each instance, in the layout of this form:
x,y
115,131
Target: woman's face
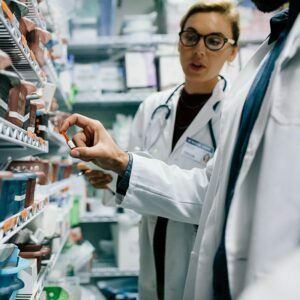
x,y
199,64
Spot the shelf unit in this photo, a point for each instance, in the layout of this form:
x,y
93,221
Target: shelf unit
x,y
15,142
46,270
23,218
59,92
112,272
20,220
123,41
106,47
105,270
91,99
89,218
14,44
53,188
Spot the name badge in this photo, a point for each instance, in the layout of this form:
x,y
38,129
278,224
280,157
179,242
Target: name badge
x,y
197,151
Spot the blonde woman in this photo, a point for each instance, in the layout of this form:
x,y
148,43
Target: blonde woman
x,y
181,126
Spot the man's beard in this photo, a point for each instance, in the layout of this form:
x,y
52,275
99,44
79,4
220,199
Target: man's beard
x,y
268,5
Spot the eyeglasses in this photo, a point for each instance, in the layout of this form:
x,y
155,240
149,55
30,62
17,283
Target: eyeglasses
x,y
212,41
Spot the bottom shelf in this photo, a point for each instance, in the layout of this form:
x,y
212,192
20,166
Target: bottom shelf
x,y
45,271
90,292
105,270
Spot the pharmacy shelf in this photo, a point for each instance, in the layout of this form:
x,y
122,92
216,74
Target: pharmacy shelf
x,y
103,269
60,95
122,41
45,271
53,188
87,289
20,222
113,272
48,268
14,44
15,142
90,99
114,47
92,218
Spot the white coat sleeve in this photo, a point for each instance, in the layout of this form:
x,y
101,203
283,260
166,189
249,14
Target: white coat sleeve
x,y
159,189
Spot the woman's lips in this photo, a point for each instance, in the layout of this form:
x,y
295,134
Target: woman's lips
x,y
197,66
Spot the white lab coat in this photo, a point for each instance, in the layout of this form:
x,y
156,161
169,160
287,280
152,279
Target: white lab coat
x,y
263,231
180,236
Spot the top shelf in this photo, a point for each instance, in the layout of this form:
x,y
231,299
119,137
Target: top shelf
x,y
123,41
14,44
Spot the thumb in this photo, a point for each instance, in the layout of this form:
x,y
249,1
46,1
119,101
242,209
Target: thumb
x,y
86,153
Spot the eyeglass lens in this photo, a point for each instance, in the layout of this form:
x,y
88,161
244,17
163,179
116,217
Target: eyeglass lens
x,y
212,41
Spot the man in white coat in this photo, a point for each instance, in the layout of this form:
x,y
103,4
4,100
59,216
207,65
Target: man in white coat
x,y
248,240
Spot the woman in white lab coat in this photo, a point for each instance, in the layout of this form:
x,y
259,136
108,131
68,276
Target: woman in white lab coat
x,y
181,126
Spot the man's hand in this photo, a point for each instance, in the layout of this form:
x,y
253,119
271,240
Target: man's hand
x,y
98,179
95,144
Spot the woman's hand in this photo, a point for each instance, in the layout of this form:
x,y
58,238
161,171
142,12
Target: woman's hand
x,y
95,144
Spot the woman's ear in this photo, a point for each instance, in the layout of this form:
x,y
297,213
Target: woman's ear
x,y
234,52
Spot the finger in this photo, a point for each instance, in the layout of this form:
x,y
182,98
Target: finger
x,y
88,172
82,166
87,153
99,186
99,181
79,139
104,179
79,120
96,174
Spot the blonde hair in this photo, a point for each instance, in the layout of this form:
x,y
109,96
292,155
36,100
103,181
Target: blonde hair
x,y
224,7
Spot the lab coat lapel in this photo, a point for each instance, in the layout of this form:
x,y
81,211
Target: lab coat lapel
x,y
205,114
261,122
169,129
212,216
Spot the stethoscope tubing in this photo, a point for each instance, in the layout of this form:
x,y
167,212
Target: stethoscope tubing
x,y
167,106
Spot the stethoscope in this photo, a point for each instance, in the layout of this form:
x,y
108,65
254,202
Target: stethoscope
x,y
167,109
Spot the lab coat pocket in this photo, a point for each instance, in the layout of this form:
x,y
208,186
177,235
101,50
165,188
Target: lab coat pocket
x,y
285,95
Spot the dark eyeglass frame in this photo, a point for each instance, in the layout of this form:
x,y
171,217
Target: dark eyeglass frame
x,y
199,36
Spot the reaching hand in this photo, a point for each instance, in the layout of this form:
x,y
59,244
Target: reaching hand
x,y
95,144
98,179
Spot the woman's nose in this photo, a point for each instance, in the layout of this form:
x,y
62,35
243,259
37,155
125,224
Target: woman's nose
x,y
200,48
